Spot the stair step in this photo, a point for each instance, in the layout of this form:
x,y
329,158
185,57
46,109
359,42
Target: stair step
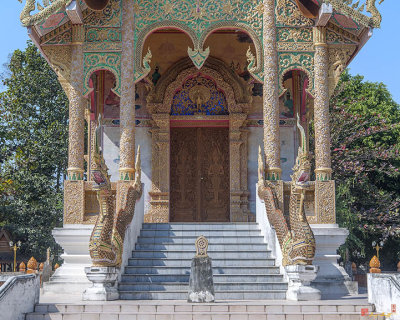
x,y
202,316
211,246
159,307
171,286
221,295
211,239
243,267
229,269
184,278
177,262
200,226
197,233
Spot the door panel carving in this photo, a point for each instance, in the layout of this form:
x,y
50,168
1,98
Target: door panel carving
x,y
199,174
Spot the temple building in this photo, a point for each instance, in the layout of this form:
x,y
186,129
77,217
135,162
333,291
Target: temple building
x,y
219,95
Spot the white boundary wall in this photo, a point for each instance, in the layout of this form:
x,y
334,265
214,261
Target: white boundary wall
x,y
18,296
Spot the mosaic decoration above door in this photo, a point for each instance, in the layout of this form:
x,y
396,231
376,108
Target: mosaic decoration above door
x,y
199,95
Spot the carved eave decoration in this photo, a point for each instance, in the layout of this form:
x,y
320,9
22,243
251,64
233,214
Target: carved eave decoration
x,y
295,20
59,58
355,11
44,11
339,58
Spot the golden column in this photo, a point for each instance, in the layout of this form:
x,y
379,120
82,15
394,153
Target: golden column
x,y
323,169
127,106
270,94
324,186
74,191
76,106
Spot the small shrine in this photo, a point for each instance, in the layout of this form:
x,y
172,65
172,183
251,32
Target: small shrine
x,y
201,86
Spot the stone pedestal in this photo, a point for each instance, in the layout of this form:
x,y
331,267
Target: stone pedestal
x,y
201,285
332,279
70,277
300,278
104,281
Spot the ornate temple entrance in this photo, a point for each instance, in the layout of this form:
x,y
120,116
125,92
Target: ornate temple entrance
x,y
199,174
198,132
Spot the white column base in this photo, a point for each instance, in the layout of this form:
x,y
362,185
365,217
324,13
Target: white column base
x,y
332,279
70,278
300,278
104,284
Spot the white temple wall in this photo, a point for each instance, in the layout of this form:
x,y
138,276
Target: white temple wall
x,y
111,136
255,140
111,150
288,155
143,138
288,151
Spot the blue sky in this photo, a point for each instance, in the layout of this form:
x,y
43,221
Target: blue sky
x,y
378,61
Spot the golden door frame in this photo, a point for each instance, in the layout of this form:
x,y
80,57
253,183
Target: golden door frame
x,y
159,104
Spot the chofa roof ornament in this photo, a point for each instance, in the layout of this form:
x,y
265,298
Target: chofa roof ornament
x,y
357,9
48,7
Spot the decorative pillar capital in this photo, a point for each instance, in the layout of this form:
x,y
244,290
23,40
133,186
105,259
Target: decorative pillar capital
x,y
273,173
320,36
126,174
323,174
75,174
78,34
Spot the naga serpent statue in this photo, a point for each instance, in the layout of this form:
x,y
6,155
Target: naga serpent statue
x,y
107,239
295,236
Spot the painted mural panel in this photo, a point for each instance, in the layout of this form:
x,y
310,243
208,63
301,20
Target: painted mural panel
x,y
111,99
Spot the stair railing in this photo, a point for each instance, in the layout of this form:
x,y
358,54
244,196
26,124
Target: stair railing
x,y
19,295
269,234
384,292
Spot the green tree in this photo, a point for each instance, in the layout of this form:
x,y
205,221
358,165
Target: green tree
x,y
365,130
33,150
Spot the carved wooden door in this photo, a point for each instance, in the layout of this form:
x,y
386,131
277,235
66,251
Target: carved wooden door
x,y
199,174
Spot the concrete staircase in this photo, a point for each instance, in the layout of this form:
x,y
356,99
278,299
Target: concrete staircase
x,y
242,266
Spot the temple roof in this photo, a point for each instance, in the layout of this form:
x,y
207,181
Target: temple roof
x,y
348,26
47,15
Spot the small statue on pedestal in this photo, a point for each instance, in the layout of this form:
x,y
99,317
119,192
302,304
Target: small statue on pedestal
x,y
201,285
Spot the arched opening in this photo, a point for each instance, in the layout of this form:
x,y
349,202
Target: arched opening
x,y
230,45
167,45
295,101
199,145
104,107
